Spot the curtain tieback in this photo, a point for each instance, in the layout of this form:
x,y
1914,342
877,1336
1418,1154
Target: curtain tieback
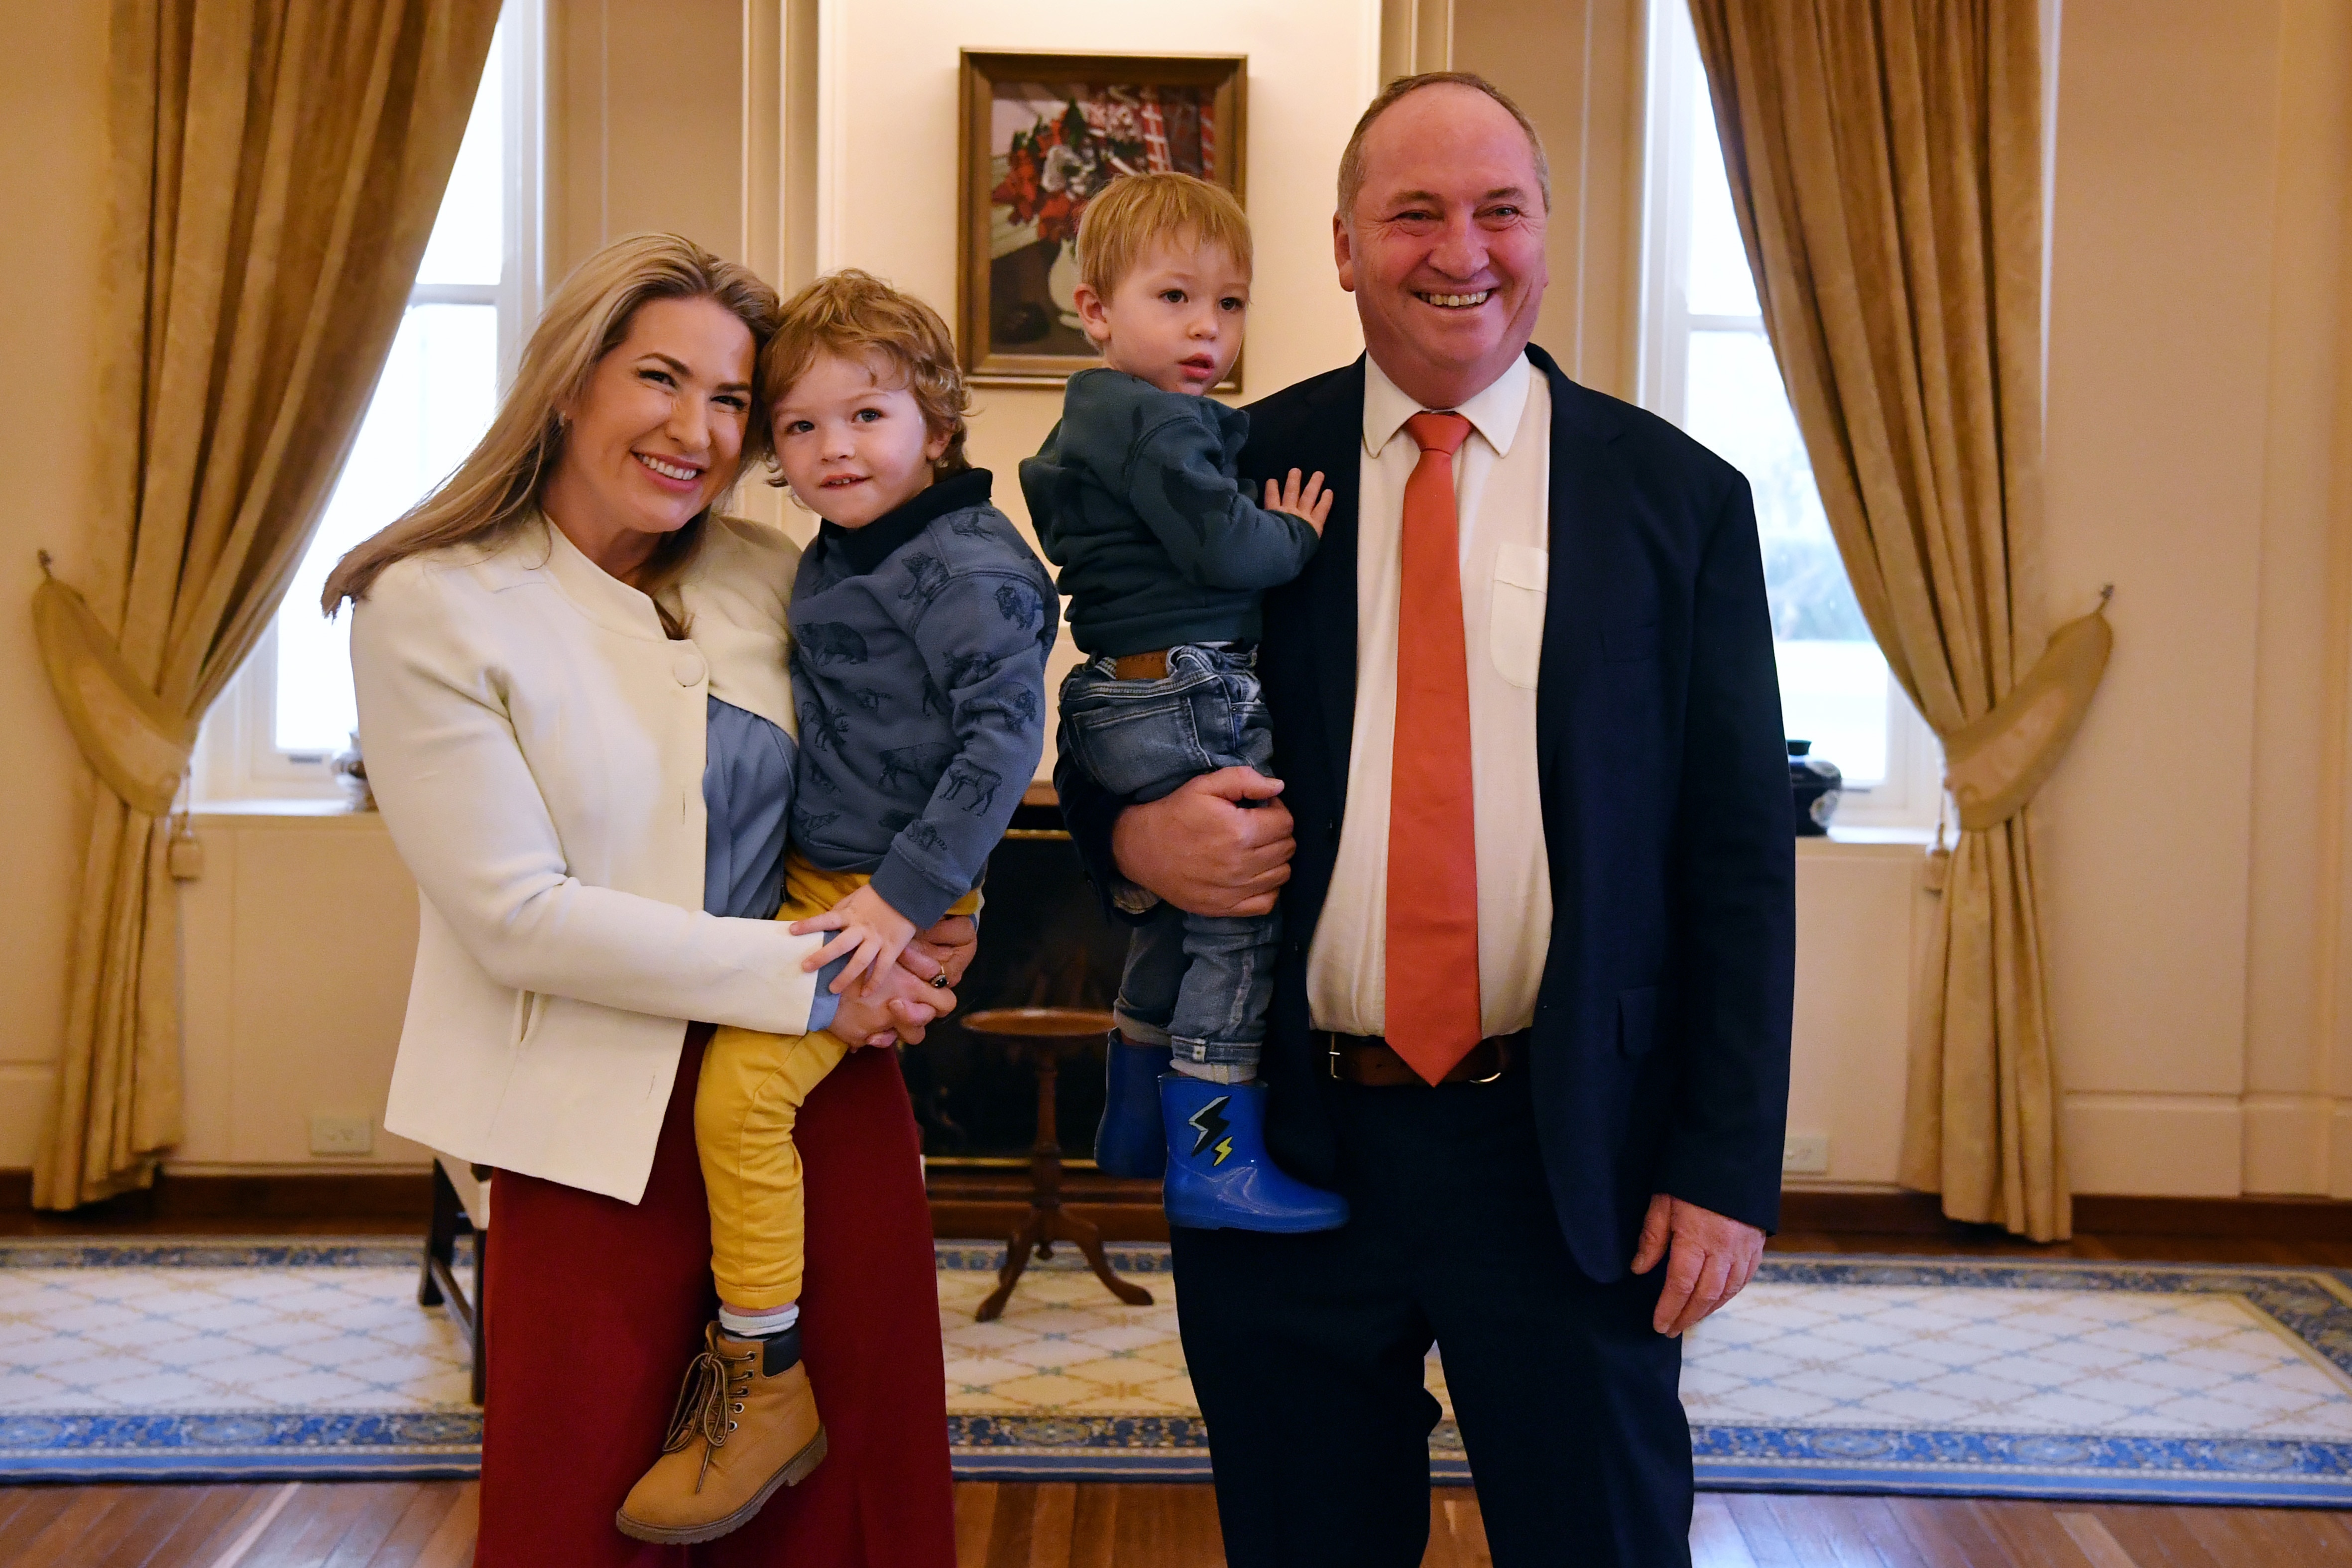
x,y
136,742
1995,764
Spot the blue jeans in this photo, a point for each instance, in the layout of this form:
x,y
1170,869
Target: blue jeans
x,y
1201,982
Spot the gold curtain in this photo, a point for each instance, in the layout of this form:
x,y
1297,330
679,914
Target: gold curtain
x,y
277,167
1884,159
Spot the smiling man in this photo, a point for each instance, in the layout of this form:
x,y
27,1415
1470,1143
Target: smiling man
x,y
1533,846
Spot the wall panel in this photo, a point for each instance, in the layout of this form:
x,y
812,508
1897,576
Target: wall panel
x,y
53,179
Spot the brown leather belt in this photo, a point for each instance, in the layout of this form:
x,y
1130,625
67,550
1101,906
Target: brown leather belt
x,y
1372,1061
1150,666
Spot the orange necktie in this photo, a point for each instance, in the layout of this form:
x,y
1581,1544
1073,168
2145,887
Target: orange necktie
x,y
1432,915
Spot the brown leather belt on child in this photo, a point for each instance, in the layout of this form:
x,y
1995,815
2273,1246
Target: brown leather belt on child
x,y
1150,666
1372,1061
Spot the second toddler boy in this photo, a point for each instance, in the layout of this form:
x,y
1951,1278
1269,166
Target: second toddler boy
x,y
1164,555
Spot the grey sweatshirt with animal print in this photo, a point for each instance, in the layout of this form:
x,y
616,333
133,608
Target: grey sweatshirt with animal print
x,y
918,672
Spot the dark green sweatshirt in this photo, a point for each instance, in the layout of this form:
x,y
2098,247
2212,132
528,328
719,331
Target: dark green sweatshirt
x,y
1134,498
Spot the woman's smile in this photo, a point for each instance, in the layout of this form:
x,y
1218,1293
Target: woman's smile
x,y
674,474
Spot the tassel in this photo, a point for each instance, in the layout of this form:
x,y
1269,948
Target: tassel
x,y
185,856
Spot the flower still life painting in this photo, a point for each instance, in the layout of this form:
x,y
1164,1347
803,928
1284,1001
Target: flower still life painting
x,y
1042,135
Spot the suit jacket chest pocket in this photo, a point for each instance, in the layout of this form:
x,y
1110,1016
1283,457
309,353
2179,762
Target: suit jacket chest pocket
x,y
1514,618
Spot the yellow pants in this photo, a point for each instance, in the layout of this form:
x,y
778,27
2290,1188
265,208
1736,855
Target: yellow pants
x,y
746,1104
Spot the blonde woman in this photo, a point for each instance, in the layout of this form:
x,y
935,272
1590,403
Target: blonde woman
x,y
573,684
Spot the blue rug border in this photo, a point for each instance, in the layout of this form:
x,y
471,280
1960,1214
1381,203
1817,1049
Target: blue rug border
x,y
257,1445
221,1252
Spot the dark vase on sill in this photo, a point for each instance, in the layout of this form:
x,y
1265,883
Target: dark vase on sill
x,y
1814,787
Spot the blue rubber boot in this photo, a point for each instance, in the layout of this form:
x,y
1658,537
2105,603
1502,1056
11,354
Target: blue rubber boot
x,y
1127,1140
1219,1176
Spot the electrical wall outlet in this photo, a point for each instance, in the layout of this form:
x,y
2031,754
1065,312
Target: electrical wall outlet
x,y
1805,1154
343,1134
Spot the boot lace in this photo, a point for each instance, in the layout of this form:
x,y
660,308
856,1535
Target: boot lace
x,y
707,1401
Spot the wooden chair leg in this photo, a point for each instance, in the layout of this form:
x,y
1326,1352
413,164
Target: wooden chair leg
x,y
1017,1253
1088,1237
481,1312
440,1237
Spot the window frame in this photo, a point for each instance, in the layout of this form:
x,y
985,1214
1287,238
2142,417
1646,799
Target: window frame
x,y
1911,796
237,756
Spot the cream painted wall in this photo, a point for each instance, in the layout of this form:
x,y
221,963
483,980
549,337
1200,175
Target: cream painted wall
x,y
299,941
646,118
2298,1069
1577,72
1858,909
53,105
2197,459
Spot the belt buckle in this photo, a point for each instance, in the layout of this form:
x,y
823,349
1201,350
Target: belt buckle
x,y
1502,1062
1331,1052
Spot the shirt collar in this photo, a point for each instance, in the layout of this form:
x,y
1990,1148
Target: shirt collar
x,y
1494,411
866,548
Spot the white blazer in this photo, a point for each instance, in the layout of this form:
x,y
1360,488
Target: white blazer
x,y
535,743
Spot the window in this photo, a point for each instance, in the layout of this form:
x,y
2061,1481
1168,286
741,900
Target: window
x,y
1708,366
291,707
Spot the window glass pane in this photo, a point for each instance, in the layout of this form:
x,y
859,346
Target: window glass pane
x,y
468,243
1715,280
438,390
1834,680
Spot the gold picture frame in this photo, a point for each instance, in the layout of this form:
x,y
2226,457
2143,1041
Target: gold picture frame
x,y
1040,134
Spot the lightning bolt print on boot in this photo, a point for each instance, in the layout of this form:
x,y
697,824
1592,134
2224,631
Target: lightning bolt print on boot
x,y
1219,1176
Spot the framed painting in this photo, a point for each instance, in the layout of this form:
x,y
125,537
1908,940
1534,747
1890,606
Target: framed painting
x,y
1042,135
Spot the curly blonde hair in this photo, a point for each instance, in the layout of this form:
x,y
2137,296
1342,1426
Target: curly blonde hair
x,y
856,316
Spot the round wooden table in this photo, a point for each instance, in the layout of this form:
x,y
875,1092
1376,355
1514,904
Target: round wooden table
x,y
1046,1036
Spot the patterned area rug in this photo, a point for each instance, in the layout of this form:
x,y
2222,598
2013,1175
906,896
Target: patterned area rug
x,y
214,1360
228,1360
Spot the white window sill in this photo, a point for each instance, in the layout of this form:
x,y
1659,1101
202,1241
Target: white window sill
x,y
325,812
1868,843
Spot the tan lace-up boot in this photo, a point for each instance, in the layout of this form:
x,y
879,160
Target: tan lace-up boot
x,y
746,1424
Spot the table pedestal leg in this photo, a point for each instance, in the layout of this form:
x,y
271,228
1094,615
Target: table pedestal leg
x,y
1068,1226
1048,1222
1016,1258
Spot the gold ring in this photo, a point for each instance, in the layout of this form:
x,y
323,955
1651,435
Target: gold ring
x,y
939,981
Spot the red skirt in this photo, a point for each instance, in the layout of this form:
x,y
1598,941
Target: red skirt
x,y
596,1306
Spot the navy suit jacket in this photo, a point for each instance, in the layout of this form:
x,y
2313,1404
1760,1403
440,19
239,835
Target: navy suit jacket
x,y
1660,1050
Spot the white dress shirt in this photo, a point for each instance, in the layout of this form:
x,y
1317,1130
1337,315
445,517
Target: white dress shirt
x,y
1502,486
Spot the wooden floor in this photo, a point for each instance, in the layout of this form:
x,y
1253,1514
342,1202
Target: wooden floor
x,y
431,1524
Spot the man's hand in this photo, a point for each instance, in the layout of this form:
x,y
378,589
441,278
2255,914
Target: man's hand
x,y
1713,1259
901,1008
1202,851
942,954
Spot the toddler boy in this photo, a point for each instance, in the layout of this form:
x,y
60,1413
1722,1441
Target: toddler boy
x,y
921,624
1164,555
